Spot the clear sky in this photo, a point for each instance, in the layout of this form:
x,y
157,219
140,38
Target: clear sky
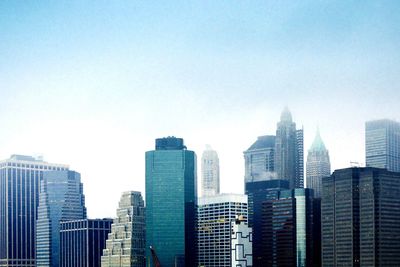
x,y
93,83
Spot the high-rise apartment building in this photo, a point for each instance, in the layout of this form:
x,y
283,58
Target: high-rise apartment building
x,y
209,172
289,151
19,198
289,222
259,160
215,215
171,200
125,246
82,242
318,165
258,192
60,199
382,144
361,218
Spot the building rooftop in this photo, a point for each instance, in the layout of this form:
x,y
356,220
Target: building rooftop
x,y
265,141
318,144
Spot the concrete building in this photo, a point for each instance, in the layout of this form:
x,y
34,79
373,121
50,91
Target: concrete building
x,y
209,172
361,218
241,241
125,245
19,198
61,198
382,144
215,215
171,200
318,165
82,242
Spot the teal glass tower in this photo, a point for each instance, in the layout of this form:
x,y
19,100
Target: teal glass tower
x,y
171,195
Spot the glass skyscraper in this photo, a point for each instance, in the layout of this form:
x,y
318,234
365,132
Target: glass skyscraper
x,y
61,199
171,200
361,218
209,172
19,198
318,165
125,246
382,144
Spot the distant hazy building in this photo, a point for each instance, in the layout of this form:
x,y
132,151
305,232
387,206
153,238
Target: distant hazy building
x,y
318,165
61,199
382,144
82,242
209,172
19,198
289,162
171,200
361,218
258,192
289,226
125,245
259,160
215,215
241,243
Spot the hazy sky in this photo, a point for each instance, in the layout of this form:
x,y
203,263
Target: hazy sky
x,y
93,83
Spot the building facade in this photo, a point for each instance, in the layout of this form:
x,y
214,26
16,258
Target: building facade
x,y
318,165
171,200
209,172
360,218
215,215
125,245
258,192
61,198
241,244
289,162
289,224
382,144
82,242
20,178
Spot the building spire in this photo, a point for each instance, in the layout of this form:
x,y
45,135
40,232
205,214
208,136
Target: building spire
x,y
286,115
318,144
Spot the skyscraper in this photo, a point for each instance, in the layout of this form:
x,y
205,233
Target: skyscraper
x,y
215,216
19,198
125,246
382,144
318,165
260,160
360,218
241,241
209,172
171,199
289,151
83,241
61,199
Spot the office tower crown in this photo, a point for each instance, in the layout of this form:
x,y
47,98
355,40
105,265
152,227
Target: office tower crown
x,y
286,116
170,143
318,144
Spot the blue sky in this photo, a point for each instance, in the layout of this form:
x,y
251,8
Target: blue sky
x,y
92,83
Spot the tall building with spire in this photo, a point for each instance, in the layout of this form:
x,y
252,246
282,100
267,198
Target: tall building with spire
x,y
125,246
318,165
209,172
289,160
61,198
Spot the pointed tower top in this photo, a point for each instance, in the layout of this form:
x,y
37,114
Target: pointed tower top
x,y
286,115
318,144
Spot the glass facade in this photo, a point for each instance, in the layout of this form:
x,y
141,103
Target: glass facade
x,y
60,199
19,198
82,242
171,200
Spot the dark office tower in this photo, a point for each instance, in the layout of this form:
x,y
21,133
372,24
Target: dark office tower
x,y
60,199
259,192
318,165
289,151
289,221
19,198
82,242
382,144
171,202
125,246
360,218
259,160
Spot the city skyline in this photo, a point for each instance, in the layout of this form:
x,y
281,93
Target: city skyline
x,y
92,85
